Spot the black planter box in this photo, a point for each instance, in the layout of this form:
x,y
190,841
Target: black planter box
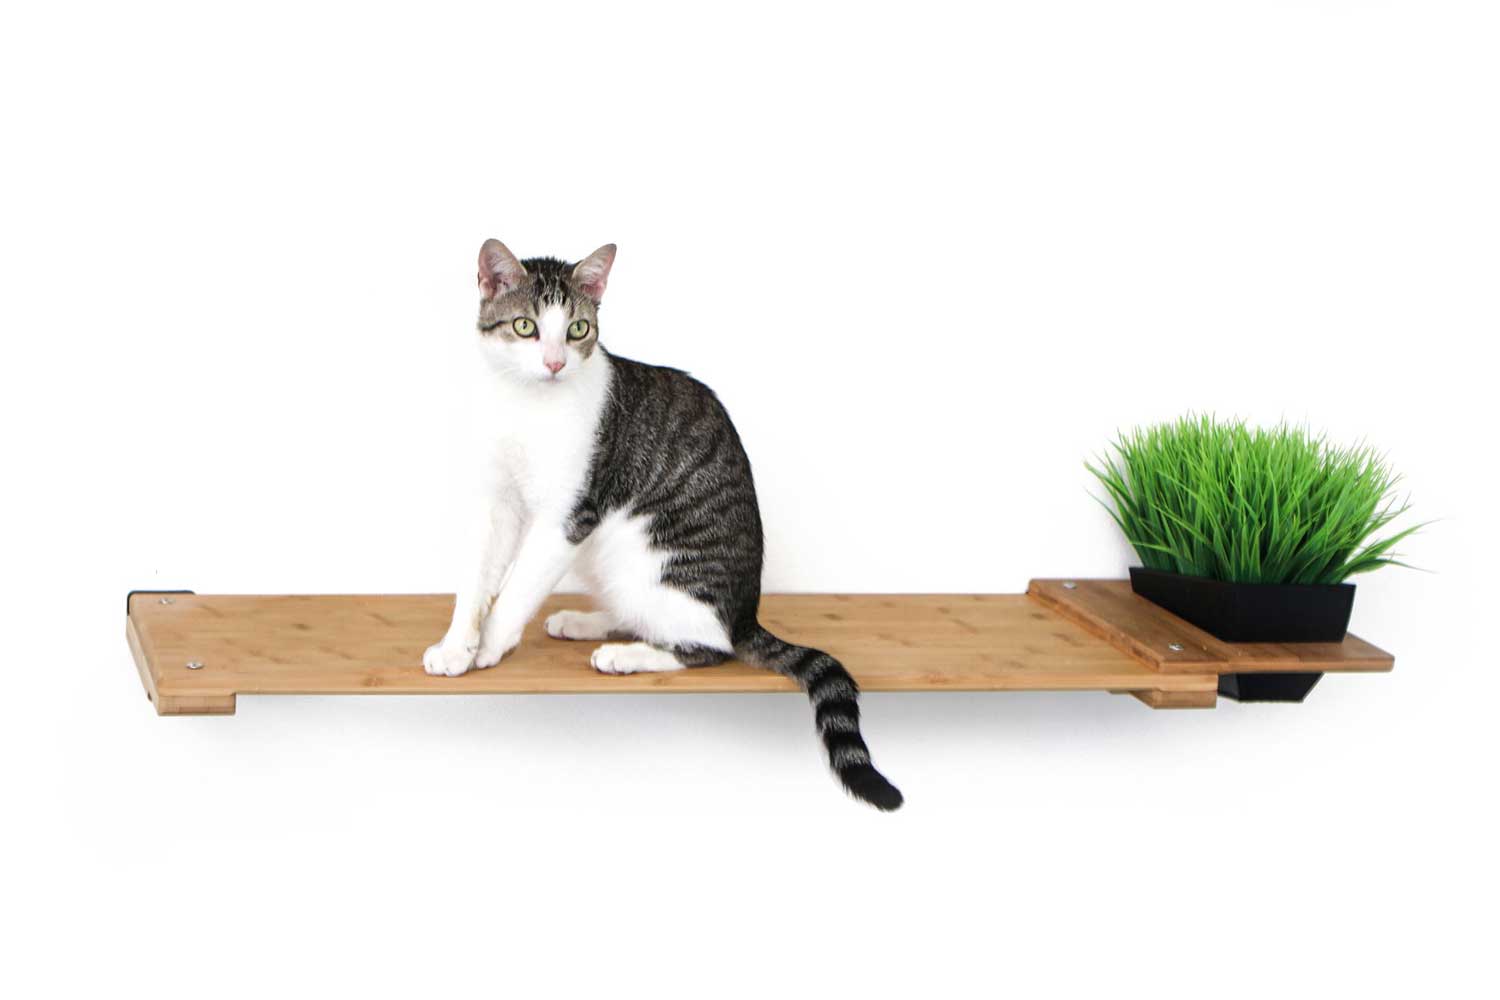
x,y
1251,612
1268,687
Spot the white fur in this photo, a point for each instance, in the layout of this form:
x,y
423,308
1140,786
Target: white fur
x,y
552,335
624,573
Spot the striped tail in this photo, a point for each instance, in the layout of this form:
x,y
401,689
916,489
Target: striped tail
x,y
835,701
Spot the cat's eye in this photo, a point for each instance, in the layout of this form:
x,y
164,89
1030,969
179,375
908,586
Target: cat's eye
x,y
578,330
523,327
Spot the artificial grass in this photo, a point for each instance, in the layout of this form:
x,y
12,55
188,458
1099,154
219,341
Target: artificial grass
x,y
1218,499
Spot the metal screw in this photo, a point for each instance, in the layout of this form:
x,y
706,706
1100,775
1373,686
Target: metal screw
x,y
194,664
166,600
1175,647
1070,585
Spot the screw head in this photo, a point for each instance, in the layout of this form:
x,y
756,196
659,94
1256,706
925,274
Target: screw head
x,y
1070,585
1175,647
194,664
166,600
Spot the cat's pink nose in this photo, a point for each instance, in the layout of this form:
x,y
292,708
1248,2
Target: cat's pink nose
x,y
554,366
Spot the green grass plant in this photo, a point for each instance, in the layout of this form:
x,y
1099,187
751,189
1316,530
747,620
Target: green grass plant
x,y
1219,499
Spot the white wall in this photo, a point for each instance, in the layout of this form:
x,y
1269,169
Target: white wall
x,y
931,257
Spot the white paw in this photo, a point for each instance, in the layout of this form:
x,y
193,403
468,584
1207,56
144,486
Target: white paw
x,y
579,625
447,660
494,647
607,660
633,658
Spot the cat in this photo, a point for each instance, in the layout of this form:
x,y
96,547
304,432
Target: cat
x,y
634,475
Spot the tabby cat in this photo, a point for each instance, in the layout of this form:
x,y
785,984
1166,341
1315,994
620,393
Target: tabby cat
x,y
633,475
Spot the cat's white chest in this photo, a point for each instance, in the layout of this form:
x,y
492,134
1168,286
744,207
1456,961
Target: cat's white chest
x,y
542,443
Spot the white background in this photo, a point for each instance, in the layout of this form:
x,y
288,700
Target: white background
x,y
932,256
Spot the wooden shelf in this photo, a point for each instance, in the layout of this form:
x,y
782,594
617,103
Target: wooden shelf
x,y
1093,635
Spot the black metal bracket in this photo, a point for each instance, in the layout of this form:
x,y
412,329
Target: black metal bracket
x,y
152,591
1268,687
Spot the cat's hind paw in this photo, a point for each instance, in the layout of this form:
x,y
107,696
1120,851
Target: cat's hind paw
x,y
580,625
633,658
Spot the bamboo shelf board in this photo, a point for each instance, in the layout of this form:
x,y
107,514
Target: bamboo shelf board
x,y
1094,636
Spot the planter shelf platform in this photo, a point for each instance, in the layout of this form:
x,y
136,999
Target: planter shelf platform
x,y
196,654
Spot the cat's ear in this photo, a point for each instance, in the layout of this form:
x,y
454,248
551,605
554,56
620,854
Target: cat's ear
x,y
592,273
499,271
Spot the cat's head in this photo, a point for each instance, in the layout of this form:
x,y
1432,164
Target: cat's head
x,y
539,318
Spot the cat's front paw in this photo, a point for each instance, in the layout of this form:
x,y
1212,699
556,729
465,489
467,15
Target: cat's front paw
x,y
494,647
447,659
